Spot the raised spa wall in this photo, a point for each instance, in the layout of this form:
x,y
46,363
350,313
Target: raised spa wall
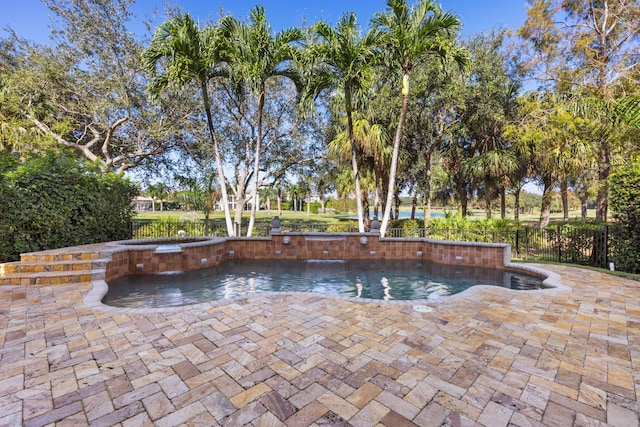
x,y
148,256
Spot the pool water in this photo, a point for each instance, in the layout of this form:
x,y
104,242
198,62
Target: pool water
x,y
381,280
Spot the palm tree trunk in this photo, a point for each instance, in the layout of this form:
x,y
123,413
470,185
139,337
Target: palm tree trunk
x,y
564,195
256,165
503,202
279,201
354,159
394,157
216,152
516,204
376,197
604,169
427,185
462,197
487,200
414,203
545,209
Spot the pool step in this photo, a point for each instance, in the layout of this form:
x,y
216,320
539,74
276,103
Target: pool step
x,y
59,256
51,278
52,266
50,271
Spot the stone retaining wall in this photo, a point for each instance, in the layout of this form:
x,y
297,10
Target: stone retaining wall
x,y
137,257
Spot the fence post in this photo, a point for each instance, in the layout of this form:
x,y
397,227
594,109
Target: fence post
x,y
526,243
606,246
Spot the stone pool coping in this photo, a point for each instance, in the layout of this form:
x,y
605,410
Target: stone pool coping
x,y
558,357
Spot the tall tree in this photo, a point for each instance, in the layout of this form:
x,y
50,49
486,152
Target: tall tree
x,y
433,118
180,54
257,55
86,90
347,64
553,137
374,152
588,48
412,35
490,99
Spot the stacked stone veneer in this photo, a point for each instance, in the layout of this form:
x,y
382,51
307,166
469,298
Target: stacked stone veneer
x,y
127,259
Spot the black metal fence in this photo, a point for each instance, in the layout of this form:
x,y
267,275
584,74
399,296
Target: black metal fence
x,y
147,229
592,245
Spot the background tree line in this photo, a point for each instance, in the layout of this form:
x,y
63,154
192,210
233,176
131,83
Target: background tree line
x,y
403,106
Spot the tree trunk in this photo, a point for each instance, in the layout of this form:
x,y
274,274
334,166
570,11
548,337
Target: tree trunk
x,y
503,202
564,195
516,204
414,203
279,201
462,197
376,197
545,209
365,211
427,185
354,159
394,156
604,168
219,169
239,199
256,165
583,206
487,201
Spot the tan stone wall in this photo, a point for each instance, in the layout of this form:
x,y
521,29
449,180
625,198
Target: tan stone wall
x,y
129,259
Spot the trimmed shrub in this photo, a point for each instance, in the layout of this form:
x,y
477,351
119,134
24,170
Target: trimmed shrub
x,y
53,201
343,227
315,207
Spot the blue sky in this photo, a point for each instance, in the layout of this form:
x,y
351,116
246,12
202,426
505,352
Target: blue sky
x,y
30,18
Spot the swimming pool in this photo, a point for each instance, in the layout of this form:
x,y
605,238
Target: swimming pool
x,y
367,279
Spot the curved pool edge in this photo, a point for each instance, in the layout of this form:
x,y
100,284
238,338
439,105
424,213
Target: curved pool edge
x,y
553,281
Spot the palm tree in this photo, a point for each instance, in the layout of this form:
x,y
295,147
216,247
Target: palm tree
x,y
371,141
199,195
257,55
158,191
348,61
181,53
411,35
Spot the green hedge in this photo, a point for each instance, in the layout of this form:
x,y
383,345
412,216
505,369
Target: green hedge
x,y
625,203
53,201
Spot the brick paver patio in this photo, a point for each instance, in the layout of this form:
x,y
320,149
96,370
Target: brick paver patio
x,y
491,358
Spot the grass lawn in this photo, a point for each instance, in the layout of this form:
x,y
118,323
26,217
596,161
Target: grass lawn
x,y
261,216
302,217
